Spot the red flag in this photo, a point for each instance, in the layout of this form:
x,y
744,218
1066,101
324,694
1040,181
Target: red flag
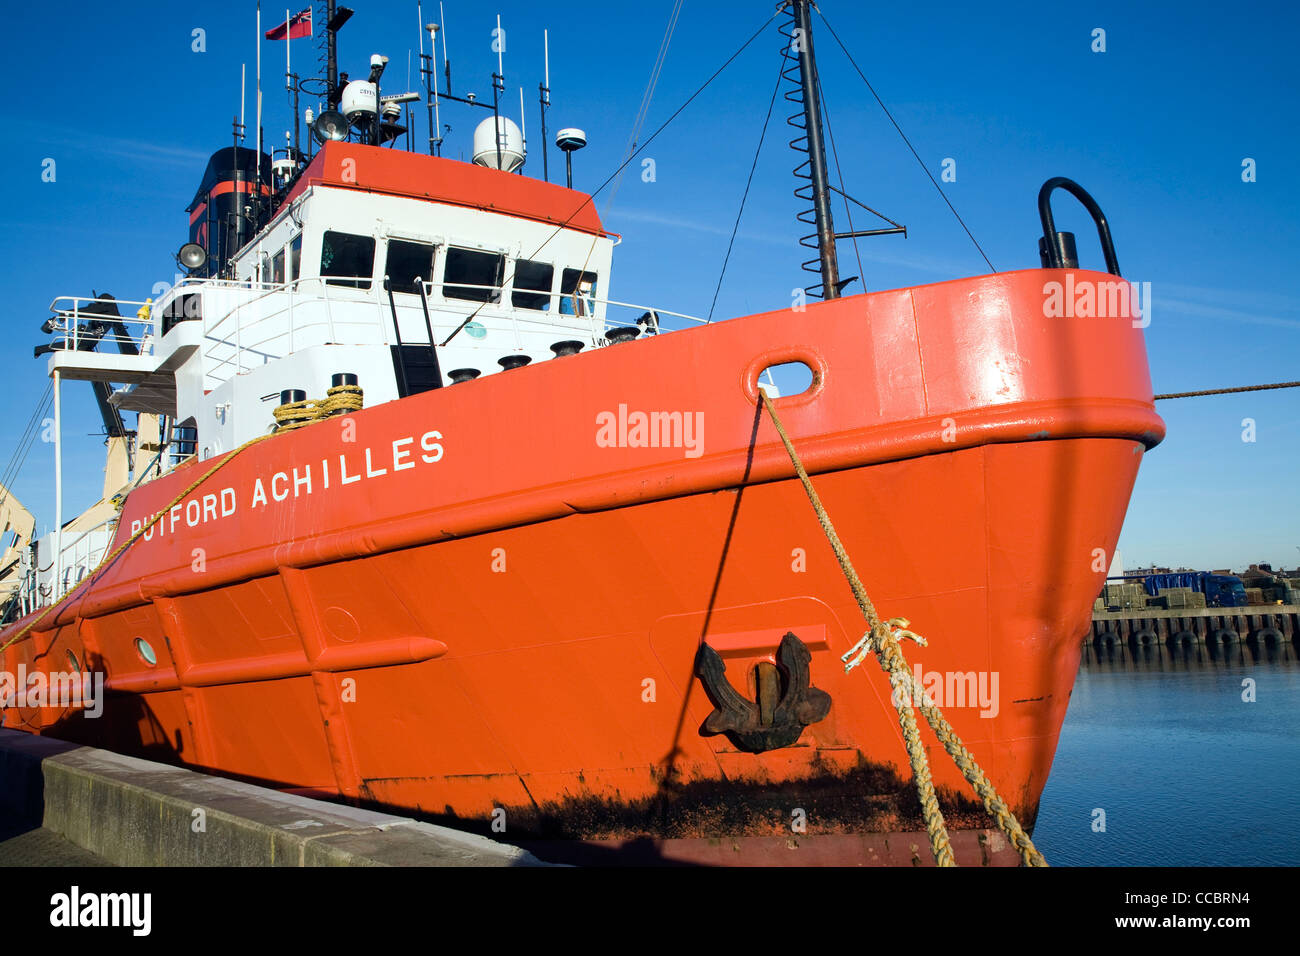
x,y
299,25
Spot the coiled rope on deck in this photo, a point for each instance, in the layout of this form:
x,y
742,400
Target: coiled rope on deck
x,y
882,639
338,400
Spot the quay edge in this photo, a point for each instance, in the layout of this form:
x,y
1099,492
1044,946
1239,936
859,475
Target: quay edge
x,y
133,812
1257,624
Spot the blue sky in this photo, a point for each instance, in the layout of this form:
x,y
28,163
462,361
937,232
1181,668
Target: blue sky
x,y
1156,127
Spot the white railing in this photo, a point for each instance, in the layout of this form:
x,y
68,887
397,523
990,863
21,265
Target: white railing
x,y
69,314
233,337
77,559
322,308
248,323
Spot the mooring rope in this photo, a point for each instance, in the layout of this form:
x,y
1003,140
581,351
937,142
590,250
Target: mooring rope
x,y
882,638
338,400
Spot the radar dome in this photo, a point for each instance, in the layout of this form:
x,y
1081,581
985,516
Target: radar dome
x,y
511,142
358,101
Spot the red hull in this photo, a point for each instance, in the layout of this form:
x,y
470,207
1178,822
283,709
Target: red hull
x,y
507,615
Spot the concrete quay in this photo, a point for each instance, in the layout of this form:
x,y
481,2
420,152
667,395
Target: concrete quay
x,y
125,811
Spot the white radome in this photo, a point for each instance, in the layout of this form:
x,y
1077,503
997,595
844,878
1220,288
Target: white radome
x,y
512,144
358,101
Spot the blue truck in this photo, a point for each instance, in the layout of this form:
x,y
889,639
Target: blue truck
x,y
1220,590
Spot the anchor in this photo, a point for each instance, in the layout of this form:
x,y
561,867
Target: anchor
x,y
770,723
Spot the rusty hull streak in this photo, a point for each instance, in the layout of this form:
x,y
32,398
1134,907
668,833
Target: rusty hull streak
x,y
869,798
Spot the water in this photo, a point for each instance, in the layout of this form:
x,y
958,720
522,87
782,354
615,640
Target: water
x,y
1187,772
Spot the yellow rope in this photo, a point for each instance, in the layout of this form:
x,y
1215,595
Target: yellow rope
x,y
882,638
338,400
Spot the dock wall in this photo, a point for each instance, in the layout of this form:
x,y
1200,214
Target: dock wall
x,y
132,812
1260,624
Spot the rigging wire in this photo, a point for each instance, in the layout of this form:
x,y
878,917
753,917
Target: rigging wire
x,y
25,442
1228,391
25,446
744,196
22,440
839,174
591,198
644,111
917,155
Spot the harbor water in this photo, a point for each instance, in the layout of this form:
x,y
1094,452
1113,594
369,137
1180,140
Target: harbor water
x,y
1192,754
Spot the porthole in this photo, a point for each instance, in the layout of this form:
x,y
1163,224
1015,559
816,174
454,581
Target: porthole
x,y
145,650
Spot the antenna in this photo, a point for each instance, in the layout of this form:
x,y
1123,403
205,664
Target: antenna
x,y
288,70
446,63
523,120
331,57
430,86
544,96
291,85
570,141
377,65
498,87
257,154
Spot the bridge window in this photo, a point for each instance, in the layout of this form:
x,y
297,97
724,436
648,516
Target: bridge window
x,y
532,285
470,268
408,264
183,307
577,292
349,256
277,268
295,259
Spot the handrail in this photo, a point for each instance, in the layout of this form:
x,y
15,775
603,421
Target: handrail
x,y
1056,249
67,320
99,298
69,578
226,334
109,520
433,345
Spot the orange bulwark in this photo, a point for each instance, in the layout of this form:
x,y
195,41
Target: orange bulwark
x,y
388,172
492,596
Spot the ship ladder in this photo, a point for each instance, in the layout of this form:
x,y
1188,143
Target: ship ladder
x,y
882,638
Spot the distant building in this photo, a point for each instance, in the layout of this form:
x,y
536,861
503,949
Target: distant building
x,y
1258,576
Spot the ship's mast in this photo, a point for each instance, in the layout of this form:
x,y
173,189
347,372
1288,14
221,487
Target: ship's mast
x,y
331,56
816,149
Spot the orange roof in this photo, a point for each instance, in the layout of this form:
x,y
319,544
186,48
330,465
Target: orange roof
x,y
396,173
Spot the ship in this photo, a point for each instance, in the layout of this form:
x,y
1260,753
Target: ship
x,y
414,516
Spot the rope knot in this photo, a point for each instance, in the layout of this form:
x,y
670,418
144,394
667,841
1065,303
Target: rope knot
x,y
882,640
